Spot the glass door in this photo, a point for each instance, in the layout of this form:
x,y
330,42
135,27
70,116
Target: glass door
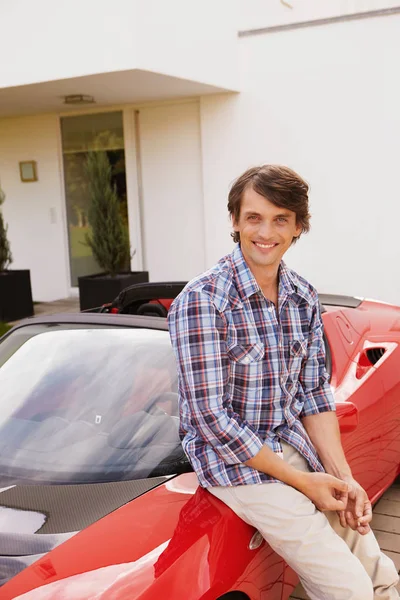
x,y
80,135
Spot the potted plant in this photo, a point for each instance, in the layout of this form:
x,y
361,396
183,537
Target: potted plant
x,y
108,238
15,286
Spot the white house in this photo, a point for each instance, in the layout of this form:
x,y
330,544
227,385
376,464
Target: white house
x,y
185,95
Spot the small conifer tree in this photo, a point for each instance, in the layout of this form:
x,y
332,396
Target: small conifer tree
x,y
108,238
5,252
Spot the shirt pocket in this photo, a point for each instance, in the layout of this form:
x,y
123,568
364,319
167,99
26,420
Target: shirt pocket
x,y
297,354
249,354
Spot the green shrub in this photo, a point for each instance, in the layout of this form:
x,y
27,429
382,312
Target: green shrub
x,y
108,238
5,252
4,328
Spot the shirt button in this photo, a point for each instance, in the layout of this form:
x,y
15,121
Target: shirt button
x,y
246,359
270,308
282,379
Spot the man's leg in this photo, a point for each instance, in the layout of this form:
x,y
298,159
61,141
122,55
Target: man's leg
x,y
379,567
300,533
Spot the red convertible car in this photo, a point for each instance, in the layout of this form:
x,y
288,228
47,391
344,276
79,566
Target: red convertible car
x,y
97,499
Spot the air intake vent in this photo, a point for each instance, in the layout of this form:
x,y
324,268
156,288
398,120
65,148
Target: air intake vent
x,y
374,354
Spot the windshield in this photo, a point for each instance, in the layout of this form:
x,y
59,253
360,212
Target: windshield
x,y
81,403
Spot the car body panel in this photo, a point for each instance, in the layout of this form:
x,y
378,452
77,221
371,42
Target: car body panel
x,y
157,537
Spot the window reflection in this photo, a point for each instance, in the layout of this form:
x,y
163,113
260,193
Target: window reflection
x,y
89,405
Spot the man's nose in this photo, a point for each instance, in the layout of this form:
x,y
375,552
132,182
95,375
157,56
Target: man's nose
x,y
266,230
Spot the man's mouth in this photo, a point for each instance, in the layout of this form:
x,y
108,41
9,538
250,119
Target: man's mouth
x,y
265,246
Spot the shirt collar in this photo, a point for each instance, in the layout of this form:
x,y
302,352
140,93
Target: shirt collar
x,y
247,285
245,281
292,284
286,279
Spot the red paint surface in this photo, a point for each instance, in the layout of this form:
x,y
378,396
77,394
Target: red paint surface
x,y
202,550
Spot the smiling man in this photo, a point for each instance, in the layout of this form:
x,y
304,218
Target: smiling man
x,y
258,419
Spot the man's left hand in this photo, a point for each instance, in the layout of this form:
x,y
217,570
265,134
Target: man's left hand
x,y
358,513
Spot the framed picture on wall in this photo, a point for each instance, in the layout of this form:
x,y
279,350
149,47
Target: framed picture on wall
x,y
28,171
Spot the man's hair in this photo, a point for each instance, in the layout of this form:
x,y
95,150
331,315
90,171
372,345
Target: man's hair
x,y
278,184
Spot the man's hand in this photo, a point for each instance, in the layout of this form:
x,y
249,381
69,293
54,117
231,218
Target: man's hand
x,y
325,491
324,433
358,512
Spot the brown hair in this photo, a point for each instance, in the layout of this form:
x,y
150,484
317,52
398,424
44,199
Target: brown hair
x,y
278,184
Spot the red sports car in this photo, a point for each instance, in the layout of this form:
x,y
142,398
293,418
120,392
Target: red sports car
x,y
97,499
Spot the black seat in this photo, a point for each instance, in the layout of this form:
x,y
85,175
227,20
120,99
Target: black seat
x,y
133,298
150,309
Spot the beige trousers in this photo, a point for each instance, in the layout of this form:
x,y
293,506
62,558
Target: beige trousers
x,y
333,563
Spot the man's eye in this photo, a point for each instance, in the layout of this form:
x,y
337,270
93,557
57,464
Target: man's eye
x,y
282,220
253,218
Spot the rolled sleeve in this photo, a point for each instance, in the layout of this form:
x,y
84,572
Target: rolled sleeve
x,y
198,336
314,379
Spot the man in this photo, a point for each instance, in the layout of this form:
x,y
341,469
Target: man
x,y
257,414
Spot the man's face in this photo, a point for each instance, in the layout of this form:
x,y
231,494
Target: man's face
x,y
266,231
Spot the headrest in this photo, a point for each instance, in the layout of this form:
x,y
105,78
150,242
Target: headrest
x,y
141,429
171,397
152,309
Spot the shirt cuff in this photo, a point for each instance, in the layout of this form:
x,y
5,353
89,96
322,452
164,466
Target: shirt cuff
x,y
318,401
242,448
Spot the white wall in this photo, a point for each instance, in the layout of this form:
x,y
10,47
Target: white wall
x,y
322,100
173,218
325,102
46,40
35,211
255,14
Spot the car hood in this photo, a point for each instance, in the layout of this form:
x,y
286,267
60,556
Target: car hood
x,y
34,519
131,544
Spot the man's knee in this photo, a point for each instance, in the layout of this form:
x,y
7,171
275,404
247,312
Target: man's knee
x,y
361,588
385,576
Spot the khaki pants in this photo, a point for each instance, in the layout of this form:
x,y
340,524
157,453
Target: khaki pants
x,y
333,563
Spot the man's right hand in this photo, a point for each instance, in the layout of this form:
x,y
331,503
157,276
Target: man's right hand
x,y
325,491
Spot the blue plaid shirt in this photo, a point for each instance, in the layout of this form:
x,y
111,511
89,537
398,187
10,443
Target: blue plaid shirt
x,y
246,378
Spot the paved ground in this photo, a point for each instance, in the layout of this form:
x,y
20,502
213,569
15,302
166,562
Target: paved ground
x,y
386,525
58,306
66,305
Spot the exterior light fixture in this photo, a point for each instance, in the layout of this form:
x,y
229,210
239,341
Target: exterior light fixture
x,y
79,99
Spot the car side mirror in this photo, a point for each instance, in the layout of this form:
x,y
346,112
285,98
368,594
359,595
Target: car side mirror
x,y
347,414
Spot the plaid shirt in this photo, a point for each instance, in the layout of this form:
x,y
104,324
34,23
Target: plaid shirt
x,y
246,378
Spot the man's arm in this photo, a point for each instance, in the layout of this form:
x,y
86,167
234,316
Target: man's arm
x,y
326,491
323,430
198,335
320,421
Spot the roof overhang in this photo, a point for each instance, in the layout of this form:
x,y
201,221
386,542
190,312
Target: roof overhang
x,y
108,89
